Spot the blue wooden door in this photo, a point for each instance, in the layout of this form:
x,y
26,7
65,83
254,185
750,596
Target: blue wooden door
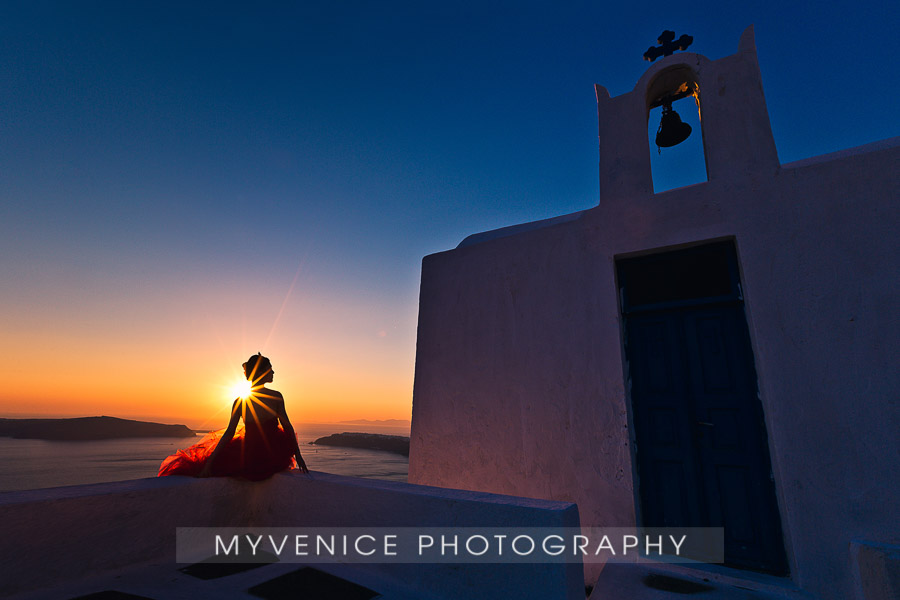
x,y
701,444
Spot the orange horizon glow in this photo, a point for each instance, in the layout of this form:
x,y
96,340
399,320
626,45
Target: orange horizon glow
x,y
175,358
318,399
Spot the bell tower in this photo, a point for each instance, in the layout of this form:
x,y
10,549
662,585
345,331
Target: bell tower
x,y
737,135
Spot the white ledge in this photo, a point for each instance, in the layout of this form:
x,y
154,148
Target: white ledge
x,y
53,538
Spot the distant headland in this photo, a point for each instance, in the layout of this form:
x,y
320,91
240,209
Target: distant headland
x,y
380,422
370,441
88,428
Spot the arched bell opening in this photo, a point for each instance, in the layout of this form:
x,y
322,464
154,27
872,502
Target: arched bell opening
x,y
675,134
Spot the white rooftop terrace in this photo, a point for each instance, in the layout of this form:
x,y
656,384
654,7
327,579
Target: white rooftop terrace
x,y
118,540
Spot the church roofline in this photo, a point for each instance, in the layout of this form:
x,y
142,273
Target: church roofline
x,y
884,144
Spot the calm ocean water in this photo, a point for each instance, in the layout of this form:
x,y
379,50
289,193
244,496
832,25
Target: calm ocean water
x,y
32,464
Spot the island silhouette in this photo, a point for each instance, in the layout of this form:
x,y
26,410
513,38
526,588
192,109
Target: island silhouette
x,y
370,441
88,428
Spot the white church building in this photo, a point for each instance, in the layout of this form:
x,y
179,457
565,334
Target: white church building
x,y
718,355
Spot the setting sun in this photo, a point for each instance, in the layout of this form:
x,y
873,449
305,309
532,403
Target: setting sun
x,y
241,389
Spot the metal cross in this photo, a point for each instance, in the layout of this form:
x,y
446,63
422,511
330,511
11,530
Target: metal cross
x,y
667,45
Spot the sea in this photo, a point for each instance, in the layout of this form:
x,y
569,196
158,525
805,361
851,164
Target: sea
x,y
36,464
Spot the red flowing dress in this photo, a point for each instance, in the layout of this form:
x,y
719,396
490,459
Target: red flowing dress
x,y
257,451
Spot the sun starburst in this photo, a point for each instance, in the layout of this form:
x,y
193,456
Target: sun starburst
x,y
241,389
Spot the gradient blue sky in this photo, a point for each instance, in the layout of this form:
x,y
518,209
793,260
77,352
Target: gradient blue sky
x,y
169,170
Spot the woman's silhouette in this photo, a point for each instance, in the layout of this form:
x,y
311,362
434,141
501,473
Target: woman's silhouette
x,y
256,450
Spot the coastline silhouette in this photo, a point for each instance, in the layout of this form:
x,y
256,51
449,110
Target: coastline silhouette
x,y
88,429
258,442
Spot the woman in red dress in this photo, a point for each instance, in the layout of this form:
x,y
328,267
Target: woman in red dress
x,y
264,445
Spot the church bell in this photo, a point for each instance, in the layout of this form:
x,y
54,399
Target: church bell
x,y
672,131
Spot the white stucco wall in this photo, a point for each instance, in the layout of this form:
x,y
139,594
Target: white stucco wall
x,y
519,384
51,537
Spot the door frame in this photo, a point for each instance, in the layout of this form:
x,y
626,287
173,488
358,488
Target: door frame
x,y
738,282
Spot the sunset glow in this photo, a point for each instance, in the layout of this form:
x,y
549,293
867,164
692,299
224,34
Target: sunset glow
x,y
175,360
176,198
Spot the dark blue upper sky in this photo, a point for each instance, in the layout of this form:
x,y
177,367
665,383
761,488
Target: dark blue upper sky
x,y
154,145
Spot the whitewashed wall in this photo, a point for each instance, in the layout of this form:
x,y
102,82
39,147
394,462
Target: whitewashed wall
x,y
519,385
55,538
